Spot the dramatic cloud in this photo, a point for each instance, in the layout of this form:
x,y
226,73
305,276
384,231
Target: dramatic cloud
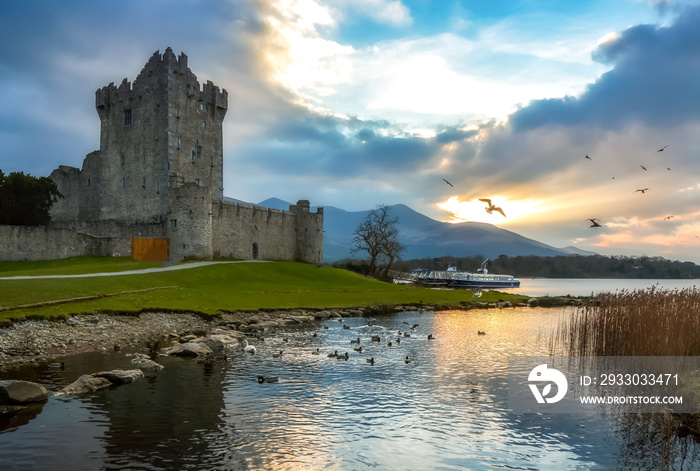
x,y
653,81
355,103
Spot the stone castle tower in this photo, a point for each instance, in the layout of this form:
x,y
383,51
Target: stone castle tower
x,y
156,135
159,174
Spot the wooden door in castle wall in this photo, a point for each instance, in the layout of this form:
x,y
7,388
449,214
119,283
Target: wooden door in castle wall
x,y
147,249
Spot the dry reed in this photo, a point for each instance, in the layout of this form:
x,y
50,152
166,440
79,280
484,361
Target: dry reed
x,y
651,322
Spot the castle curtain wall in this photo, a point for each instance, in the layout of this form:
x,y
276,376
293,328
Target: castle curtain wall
x,y
237,227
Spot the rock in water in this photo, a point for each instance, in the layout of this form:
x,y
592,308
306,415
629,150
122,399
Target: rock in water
x,y
145,364
85,384
189,349
21,392
120,376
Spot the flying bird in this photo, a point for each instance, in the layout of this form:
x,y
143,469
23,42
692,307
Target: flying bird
x,y
490,208
448,183
668,217
641,189
662,149
589,158
643,168
594,223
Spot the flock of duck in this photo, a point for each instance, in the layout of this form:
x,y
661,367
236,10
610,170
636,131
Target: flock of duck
x,y
356,343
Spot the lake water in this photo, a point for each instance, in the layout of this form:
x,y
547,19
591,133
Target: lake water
x,y
446,409
588,286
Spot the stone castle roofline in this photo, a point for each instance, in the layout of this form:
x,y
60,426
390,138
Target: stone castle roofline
x,y
158,63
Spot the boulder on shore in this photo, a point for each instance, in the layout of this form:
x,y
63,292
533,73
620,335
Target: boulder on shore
x,y
21,392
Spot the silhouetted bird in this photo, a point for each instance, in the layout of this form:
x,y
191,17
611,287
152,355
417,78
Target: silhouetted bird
x,y
643,168
662,149
668,217
641,189
589,158
490,208
448,183
593,222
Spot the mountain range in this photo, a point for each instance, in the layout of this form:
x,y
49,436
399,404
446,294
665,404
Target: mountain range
x,y
424,237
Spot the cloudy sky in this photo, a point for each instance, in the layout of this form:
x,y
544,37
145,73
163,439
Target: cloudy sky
x,y
354,103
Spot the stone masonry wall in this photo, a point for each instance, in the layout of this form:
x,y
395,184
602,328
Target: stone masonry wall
x,y
70,239
248,232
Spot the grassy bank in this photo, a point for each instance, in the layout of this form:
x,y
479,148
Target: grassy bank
x,y
73,266
210,289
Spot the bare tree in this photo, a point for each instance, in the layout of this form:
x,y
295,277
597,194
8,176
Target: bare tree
x,y
378,236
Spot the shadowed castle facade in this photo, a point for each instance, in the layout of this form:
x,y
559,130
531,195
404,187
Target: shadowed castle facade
x,y
159,175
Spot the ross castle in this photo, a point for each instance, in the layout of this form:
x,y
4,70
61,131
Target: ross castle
x,y
158,176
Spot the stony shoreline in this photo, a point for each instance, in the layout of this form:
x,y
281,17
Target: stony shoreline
x,y
35,341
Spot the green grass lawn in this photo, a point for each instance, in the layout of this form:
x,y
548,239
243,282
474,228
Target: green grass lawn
x,y
73,266
210,289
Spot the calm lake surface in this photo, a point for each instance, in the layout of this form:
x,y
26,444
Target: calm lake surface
x,y
446,410
588,286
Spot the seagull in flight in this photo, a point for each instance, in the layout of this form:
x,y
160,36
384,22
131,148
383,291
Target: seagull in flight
x,y
668,217
490,208
448,183
641,189
643,168
594,223
662,149
589,158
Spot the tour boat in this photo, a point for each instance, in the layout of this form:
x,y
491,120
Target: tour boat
x,y
453,278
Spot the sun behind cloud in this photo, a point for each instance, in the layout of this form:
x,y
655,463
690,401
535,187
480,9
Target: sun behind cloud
x,y
475,210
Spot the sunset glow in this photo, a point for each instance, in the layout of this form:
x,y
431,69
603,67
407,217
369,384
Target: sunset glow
x,y
475,211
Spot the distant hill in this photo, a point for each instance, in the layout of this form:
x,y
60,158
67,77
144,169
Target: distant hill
x,y
424,237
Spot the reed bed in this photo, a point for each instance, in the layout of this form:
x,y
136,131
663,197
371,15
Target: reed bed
x,y
651,322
